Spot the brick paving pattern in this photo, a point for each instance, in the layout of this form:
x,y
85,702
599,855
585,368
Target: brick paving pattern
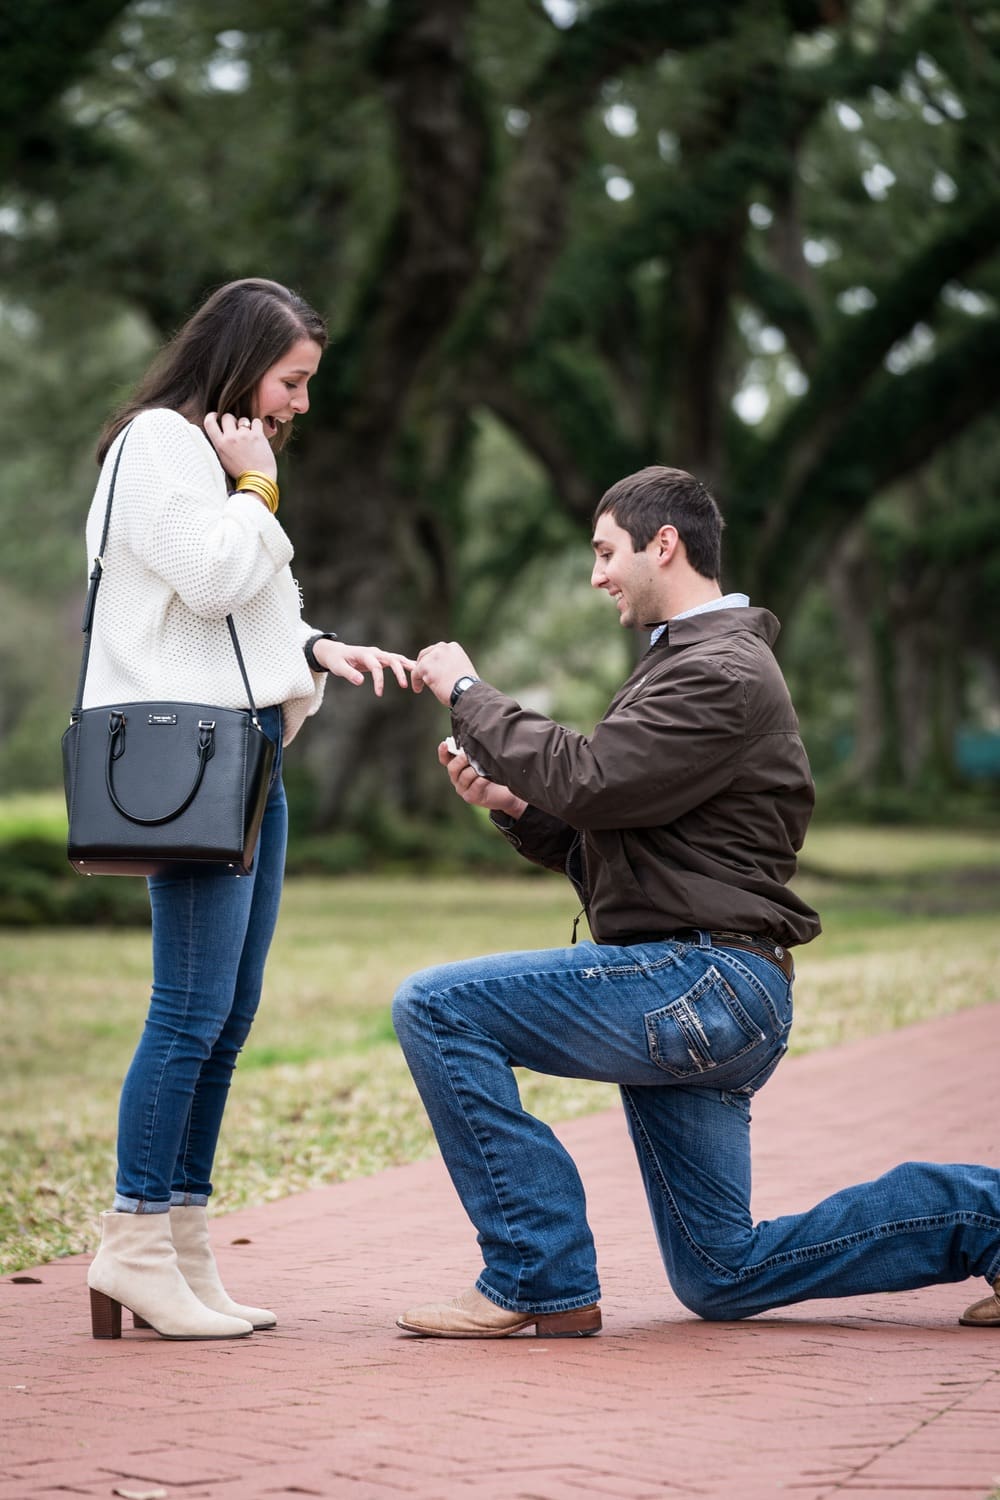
x,y
872,1398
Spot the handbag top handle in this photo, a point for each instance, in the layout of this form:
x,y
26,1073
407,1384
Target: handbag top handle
x,y
97,572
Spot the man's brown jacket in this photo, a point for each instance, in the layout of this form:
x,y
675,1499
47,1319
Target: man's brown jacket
x,y
687,805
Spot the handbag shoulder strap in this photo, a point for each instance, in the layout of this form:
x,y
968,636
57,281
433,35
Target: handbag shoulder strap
x,y
96,574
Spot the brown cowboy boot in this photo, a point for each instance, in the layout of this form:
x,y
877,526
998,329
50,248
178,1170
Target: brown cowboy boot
x,y
984,1314
473,1316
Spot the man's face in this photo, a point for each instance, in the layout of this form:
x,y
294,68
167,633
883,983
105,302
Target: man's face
x,y
631,578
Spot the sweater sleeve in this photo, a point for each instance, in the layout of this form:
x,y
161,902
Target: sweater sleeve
x,y
216,551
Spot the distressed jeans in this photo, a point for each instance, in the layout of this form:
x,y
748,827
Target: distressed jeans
x,y
211,935
689,1031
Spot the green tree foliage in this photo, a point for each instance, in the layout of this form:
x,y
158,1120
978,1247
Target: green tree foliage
x,y
917,588
755,238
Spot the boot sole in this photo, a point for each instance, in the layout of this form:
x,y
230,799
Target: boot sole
x,y
138,1322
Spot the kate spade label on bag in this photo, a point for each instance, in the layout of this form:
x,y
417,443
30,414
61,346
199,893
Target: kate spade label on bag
x,y
162,719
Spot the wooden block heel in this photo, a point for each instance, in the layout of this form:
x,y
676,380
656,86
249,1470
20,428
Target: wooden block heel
x,y
105,1316
137,1257
579,1323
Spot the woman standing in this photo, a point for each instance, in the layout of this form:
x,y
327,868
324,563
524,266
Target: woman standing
x,y
194,537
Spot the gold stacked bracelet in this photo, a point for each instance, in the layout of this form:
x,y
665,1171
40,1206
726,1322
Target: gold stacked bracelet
x,y
261,485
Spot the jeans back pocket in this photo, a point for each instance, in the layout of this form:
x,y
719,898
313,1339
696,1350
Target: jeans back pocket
x,y
702,1031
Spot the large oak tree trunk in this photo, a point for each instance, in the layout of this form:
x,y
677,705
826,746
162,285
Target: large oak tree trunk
x,y
853,583
373,567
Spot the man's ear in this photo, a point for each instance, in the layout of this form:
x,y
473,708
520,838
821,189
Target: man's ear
x,y
666,541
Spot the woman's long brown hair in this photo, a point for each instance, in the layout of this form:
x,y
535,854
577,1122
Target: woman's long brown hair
x,y
216,361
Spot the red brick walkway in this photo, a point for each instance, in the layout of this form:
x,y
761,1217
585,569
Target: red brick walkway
x,y
871,1398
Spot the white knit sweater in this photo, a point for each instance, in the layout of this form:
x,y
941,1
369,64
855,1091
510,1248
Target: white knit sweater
x,y
181,555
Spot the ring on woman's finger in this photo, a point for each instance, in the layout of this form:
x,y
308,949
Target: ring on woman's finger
x,y
244,422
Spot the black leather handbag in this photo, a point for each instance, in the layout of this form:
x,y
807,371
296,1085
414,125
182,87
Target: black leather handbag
x,y
158,786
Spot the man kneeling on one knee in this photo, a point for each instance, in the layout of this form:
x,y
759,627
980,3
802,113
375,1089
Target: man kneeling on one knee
x,y
678,820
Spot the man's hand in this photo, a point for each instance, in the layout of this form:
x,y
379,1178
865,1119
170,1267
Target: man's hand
x,y
439,667
352,662
476,789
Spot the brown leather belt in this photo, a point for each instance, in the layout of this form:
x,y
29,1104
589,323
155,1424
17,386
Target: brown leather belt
x,y
775,953
763,947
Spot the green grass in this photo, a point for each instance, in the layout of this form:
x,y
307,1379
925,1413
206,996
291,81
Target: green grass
x,y
322,1092
879,853
30,815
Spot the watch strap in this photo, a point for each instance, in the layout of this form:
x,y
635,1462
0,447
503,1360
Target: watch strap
x,y
320,635
462,684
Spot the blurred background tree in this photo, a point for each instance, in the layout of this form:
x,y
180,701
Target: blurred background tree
x,y
556,241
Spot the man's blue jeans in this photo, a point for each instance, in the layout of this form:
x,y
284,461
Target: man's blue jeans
x,y
690,1032
211,935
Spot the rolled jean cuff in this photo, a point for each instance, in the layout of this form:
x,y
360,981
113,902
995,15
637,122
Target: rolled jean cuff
x,y
188,1200
123,1205
551,1305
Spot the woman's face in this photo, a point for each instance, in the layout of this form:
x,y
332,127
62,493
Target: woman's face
x,y
282,392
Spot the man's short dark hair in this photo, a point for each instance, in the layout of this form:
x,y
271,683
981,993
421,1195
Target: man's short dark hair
x,y
641,503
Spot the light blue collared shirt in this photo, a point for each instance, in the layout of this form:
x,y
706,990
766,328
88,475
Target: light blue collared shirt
x,y
728,601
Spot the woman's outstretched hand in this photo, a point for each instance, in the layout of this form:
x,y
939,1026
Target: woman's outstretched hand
x,y
352,662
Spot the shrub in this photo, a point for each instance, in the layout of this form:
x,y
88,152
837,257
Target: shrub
x,y
39,887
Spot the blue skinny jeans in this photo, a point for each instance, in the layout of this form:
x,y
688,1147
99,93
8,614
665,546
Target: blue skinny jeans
x,y
211,935
689,1031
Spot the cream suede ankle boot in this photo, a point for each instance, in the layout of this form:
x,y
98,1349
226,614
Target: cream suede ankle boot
x,y
136,1267
189,1227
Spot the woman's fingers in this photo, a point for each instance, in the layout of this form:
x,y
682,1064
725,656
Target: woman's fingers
x,y
240,443
373,660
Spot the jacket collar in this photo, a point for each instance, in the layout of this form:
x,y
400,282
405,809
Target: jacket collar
x,y
720,622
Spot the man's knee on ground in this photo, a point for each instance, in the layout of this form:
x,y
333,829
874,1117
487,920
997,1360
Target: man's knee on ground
x,y
711,1296
714,1304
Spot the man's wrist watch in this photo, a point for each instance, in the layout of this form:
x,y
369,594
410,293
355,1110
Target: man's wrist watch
x,y
321,635
460,687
